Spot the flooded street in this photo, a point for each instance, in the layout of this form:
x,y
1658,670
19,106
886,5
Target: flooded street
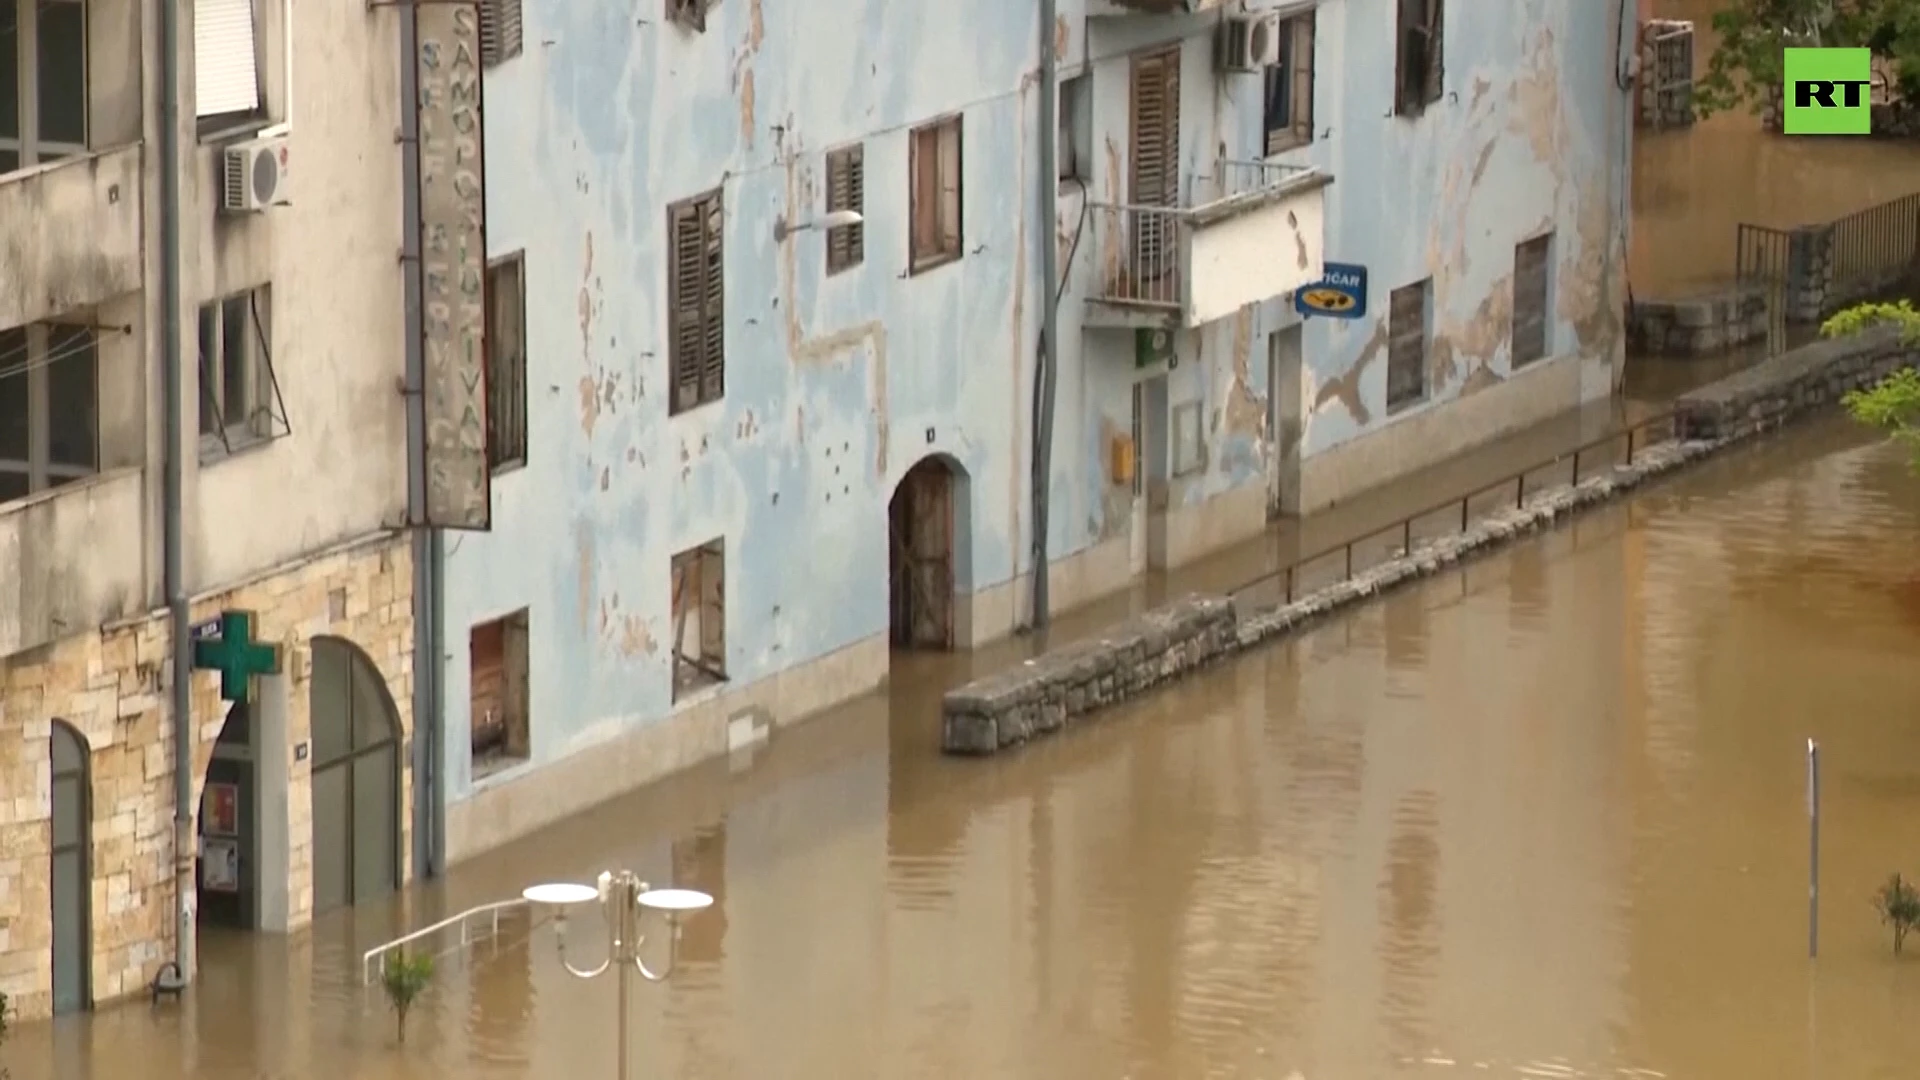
x,y
1693,187
1543,817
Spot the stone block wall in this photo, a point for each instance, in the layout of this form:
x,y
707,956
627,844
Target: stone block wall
x,y
1783,387
111,685
1698,326
1045,694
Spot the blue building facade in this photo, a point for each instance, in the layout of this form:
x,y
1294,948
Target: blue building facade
x,y
783,291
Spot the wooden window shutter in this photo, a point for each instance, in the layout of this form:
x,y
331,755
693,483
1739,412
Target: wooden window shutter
x,y
501,35
713,314
1156,128
685,289
713,607
1436,50
846,190
1302,75
949,173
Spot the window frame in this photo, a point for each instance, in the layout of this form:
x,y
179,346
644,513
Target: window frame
x,y
514,633
266,412
1426,21
1299,36
708,211
1398,338
506,397
26,147
502,32
703,568
846,176
26,363
1535,330
946,188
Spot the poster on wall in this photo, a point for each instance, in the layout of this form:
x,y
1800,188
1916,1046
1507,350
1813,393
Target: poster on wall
x,y
223,810
220,865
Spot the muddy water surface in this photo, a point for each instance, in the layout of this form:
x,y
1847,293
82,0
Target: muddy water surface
x,y
1692,188
1541,818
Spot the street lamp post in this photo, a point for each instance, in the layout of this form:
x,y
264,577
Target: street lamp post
x,y
623,898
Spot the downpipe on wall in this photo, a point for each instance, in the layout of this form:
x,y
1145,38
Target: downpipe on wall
x,y
428,551
1047,377
172,497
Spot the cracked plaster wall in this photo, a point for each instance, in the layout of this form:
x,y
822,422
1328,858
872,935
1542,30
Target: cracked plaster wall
x,y
835,385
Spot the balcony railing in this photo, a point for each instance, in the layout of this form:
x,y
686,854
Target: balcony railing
x,y
1192,263
72,231
1113,8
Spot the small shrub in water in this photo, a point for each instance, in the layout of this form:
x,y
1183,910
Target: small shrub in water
x,y
405,978
1898,903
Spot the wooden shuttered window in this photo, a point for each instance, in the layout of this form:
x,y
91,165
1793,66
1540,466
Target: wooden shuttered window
x,y
1154,107
1528,337
1420,68
501,35
846,190
696,286
934,168
1407,345
1287,119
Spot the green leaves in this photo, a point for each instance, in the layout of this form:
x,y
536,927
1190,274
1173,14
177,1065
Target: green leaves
x,y
405,978
1746,67
1898,903
1893,406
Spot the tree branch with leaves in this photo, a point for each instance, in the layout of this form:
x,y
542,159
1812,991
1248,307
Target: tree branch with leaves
x,y
1892,406
1746,68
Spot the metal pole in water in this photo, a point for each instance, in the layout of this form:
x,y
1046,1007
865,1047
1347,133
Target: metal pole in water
x,y
1813,849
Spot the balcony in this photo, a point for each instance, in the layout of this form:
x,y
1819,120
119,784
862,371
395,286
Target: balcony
x,y
1102,9
1261,235
70,230
78,556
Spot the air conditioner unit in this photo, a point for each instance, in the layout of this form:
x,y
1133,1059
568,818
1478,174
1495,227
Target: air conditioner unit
x,y
1248,43
253,175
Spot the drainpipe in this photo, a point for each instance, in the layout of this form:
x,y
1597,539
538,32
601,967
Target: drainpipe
x,y
428,813
1046,382
173,493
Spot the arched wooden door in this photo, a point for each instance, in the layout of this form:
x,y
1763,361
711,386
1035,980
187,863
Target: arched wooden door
x,y
71,871
920,530
356,778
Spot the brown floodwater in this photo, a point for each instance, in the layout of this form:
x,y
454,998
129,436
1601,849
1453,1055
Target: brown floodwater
x,y
1543,817
1693,187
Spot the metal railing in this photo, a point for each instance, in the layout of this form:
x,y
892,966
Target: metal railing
x,y
1348,557
1873,249
1140,252
1762,258
1233,178
486,915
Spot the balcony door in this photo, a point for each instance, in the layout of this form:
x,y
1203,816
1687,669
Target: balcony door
x,y
43,81
1154,182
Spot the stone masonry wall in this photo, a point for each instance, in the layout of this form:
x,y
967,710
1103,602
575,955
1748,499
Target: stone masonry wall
x,y
1697,326
1048,693
110,684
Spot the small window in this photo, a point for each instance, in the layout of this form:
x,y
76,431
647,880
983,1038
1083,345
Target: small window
x,y
1407,345
846,190
696,287
239,395
1287,118
507,362
497,692
691,14
226,59
500,32
1532,262
1419,71
934,168
1076,128
699,618
49,407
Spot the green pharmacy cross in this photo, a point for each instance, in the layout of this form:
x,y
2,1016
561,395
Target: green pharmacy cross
x,y
236,656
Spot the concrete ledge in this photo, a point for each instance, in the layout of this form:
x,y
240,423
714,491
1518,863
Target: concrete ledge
x,y
1703,325
1052,691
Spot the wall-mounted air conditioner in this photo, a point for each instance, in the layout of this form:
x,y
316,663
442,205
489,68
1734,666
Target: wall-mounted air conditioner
x,y
1248,43
253,175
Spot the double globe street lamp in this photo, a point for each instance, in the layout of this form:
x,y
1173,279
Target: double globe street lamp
x,y
623,899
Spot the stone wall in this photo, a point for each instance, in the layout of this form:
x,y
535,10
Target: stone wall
x,y
1697,326
1052,691
110,684
1783,387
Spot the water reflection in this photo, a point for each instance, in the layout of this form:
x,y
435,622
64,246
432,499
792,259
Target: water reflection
x,y
1541,814
1693,186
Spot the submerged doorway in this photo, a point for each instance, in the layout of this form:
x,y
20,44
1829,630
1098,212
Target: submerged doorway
x,y
1285,422
228,874
72,887
923,537
356,778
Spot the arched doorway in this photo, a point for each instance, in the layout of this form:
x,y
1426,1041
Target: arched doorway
x,y
71,871
356,778
925,534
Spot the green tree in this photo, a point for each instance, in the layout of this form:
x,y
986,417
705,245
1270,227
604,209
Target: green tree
x,y
404,978
6,1014
1746,66
1898,903
1893,406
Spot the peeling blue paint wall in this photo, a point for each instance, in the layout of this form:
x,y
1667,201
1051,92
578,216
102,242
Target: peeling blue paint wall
x,y
836,385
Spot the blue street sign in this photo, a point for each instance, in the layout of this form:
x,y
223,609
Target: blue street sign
x,y
1341,293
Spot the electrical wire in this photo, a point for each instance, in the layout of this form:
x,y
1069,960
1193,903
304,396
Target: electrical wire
x,y
85,345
